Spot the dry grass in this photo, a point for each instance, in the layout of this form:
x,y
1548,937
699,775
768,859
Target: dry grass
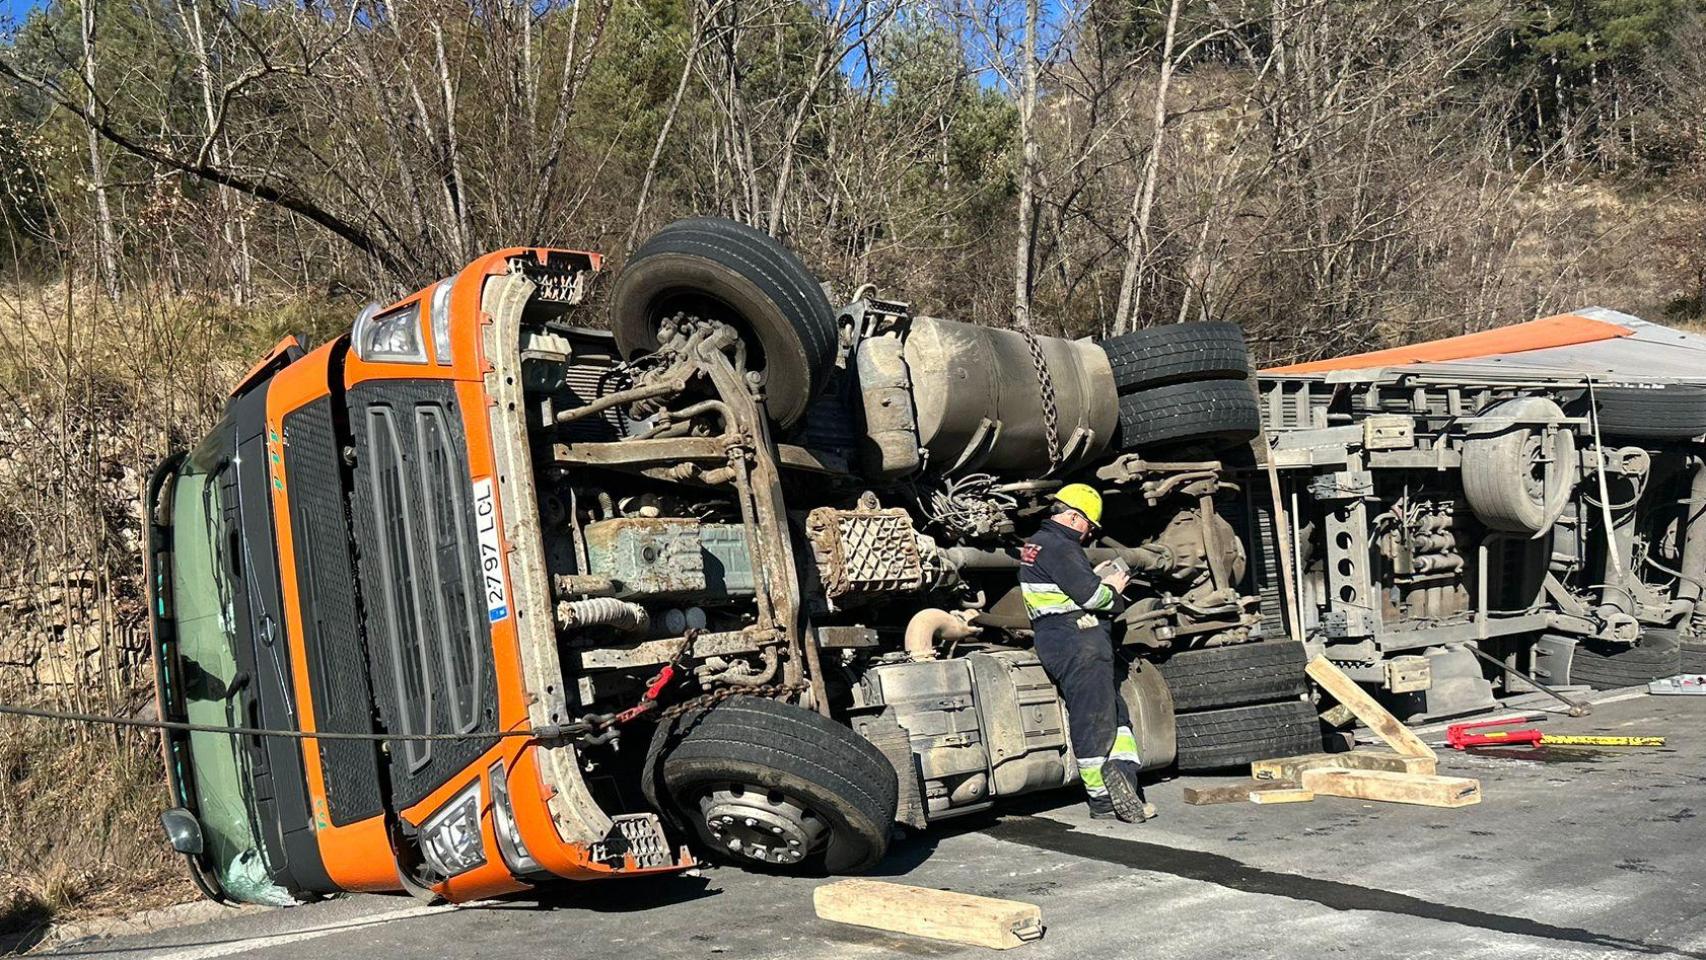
x,y
92,395
79,828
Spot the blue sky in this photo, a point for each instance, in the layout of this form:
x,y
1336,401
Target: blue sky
x,y
16,9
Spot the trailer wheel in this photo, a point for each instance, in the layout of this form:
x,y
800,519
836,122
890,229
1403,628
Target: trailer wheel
x,y
764,782
1693,655
1236,675
1176,353
1211,412
1610,666
1671,412
1216,739
1514,479
723,270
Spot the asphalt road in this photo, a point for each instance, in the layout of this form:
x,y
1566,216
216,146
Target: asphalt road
x,y
1584,853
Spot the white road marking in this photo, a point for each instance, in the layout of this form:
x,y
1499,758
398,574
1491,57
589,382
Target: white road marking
x,y
226,948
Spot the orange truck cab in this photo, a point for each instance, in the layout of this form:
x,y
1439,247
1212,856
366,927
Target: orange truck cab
x,y
299,585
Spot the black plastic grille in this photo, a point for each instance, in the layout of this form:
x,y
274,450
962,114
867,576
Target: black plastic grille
x,y
429,640
337,673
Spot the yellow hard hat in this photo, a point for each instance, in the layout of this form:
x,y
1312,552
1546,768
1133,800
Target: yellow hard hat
x,y
1083,498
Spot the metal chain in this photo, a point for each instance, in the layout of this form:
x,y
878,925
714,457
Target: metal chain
x,y
1051,413
772,691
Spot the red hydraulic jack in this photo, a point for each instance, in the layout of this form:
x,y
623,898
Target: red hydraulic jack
x,y
1458,735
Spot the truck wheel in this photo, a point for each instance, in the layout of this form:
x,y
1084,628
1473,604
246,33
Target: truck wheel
x,y
1236,675
1514,480
1671,412
1176,353
723,270
1216,739
1693,655
1610,666
764,782
1213,412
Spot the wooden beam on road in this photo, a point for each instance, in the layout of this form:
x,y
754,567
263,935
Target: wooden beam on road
x,y
1367,709
936,914
1394,787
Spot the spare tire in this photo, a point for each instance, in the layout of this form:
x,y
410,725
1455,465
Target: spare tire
x,y
727,271
1177,353
1513,478
1660,412
1235,675
1210,412
767,783
1215,739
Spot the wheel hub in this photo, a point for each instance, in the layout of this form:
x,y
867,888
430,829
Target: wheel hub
x,y
761,825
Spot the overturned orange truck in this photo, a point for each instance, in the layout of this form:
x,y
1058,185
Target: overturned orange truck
x,y
734,577
491,591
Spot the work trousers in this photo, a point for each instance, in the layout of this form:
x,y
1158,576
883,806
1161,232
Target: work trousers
x,y
1077,652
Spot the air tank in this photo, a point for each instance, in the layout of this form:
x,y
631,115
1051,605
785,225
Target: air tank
x,y
979,401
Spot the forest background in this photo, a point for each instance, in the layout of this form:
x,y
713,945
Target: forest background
x,y
184,181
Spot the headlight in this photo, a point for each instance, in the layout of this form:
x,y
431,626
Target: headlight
x,y
516,857
393,336
450,838
438,317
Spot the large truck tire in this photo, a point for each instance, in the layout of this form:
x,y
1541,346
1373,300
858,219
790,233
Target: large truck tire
x,y
1217,739
1610,666
1177,353
1671,412
765,782
1236,675
1209,412
1693,658
723,270
1515,479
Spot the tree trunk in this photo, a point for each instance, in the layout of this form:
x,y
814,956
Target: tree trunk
x,y
1143,199
106,240
1025,244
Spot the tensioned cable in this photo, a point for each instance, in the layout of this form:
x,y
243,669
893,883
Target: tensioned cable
x,y
549,732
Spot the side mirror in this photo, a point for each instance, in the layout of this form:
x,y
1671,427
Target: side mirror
x,y
183,831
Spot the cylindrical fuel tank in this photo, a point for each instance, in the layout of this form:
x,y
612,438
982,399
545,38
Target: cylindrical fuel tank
x,y
979,402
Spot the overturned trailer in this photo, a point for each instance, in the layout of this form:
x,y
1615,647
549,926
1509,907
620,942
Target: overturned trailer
x,y
1538,490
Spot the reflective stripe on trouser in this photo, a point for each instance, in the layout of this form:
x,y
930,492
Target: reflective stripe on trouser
x,y
1081,663
1125,746
1090,771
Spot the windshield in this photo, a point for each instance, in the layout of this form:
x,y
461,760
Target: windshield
x,y
204,575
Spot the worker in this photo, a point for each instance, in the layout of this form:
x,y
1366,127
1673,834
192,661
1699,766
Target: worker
x,y
1070,605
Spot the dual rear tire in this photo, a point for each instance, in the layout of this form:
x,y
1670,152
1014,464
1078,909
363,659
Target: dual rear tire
x,y
1186,385
1238,704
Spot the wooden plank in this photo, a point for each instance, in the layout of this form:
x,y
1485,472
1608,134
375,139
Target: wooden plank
x,y
1366,709
1291,768
1296,795
1236,791
1394,787
936,914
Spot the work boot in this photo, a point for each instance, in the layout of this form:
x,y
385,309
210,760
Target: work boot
x,y
1125,794
1101,808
